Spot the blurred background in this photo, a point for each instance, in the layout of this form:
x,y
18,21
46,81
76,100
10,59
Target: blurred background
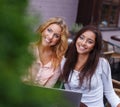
x,y
18,22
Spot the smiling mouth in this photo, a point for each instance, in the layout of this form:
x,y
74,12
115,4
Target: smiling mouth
x,y
47,40
81,48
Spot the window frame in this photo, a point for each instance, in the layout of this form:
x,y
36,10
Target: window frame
x,y
90,12
108,20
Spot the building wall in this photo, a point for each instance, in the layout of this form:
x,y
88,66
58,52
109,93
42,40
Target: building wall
x,y
44,9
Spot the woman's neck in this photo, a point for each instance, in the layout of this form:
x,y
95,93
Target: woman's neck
x,y
44,48
45,54
82,59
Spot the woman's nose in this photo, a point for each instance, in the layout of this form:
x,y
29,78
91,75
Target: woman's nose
x,y
84,42
50,36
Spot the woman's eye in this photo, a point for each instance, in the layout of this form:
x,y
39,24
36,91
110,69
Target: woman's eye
x,y
56,35
81,37
90,42
49,30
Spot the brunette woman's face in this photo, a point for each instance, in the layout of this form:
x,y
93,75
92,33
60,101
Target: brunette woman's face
x,y
51,35
85,42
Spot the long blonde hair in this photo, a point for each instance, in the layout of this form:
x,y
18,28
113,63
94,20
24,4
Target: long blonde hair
x,y
61,47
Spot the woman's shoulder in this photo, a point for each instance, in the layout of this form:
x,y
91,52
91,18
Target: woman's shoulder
x,y
63,62
103,62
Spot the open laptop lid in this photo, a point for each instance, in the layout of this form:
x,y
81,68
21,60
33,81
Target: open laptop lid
x,y
53,97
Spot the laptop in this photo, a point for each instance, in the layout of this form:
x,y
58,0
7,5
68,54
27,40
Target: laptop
x,y
53,97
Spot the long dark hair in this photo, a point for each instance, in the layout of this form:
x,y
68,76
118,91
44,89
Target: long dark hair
x,y
92,62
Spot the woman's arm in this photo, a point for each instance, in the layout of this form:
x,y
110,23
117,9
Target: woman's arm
x,y
108,89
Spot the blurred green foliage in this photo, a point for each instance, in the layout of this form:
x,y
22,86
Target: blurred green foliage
x,y
75,28
15,36
14,56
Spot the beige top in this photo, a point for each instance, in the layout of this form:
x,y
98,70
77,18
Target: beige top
x,y
42,75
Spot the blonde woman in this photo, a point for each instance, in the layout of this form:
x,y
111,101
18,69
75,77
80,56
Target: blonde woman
x,y
49,52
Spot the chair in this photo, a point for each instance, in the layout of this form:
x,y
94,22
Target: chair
x,y
116,86
112,53
116,37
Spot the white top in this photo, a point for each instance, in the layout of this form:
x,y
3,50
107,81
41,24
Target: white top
x,y
101,84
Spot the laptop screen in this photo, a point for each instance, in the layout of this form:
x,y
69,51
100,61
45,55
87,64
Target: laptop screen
x,y
53,97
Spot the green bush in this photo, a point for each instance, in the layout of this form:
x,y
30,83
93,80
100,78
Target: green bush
x,y
15,36
75,28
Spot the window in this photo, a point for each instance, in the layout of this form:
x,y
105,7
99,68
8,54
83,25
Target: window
x,y
103,13
109,14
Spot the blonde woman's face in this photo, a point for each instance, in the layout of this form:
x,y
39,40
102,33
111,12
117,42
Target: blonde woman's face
x,y
51,35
